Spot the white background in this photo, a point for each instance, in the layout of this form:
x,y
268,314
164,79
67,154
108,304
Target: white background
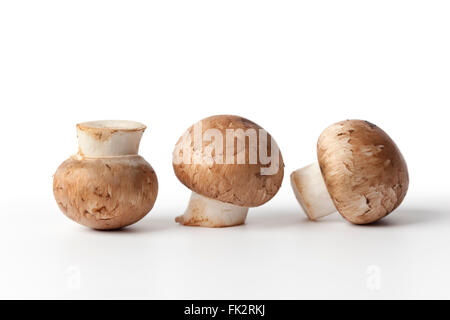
x,y
294,67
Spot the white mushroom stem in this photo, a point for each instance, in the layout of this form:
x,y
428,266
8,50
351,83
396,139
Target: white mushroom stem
x,y
206,212
109,138
311,192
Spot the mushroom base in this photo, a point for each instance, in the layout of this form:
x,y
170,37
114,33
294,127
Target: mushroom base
x,y
311,192
105,193
206,212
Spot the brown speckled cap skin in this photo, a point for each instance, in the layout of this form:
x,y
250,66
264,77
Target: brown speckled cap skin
x,y
238,184
364,171
107,193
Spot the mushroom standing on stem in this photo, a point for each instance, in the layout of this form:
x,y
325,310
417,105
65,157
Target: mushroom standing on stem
x,y
106,185
226,174
360,173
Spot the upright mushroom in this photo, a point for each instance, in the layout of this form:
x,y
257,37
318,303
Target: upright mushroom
x,y
226,174
106,185
360,173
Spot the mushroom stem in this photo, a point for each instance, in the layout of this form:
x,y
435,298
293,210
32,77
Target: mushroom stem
x,y
206,212
311,192
109,138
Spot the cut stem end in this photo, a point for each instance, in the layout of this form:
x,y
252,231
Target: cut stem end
x,y
206,212
311,192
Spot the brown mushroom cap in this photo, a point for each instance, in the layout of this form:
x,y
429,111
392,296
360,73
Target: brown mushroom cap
x,y
364,171
106,193
238,184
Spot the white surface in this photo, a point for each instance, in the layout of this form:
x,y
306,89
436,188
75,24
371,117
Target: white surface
x,y
294,68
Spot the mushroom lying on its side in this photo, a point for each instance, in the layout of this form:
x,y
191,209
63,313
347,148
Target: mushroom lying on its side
x,y
360,173
222,188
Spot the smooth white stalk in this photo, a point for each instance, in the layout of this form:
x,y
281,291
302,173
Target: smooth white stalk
x,y
109,138
311,192
206,212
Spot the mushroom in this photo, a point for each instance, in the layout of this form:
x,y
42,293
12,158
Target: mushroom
x,y
360,173
106,185
226,174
